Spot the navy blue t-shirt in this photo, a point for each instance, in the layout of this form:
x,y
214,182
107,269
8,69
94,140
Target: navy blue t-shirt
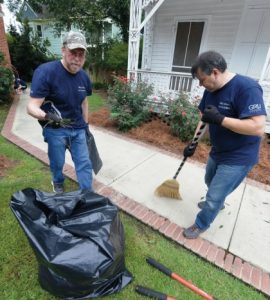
x,y
240,98
66,90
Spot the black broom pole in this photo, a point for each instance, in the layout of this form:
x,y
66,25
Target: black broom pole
x,y
193,144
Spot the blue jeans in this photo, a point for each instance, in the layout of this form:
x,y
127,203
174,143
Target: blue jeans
x,y
60,139
221,180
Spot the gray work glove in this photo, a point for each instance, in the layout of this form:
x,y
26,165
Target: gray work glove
x,y
55,119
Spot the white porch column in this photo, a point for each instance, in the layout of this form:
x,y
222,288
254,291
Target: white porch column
x,y
147,43
134,37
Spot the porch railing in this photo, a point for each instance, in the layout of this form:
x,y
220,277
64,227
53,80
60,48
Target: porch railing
x,y
166,85
166,81
173,83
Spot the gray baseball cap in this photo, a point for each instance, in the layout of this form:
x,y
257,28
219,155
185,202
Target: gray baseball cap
x,y
74,40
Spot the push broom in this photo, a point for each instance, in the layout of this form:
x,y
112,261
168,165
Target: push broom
x,y
170,187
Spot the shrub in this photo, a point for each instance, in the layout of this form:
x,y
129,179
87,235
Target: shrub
x,y
6,81
183,117
127,102
117,57
106,60
27,51
99,85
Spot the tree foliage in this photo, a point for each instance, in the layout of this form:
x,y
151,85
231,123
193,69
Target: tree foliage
x,y
6,81
107,59
116,57
26,53
86,14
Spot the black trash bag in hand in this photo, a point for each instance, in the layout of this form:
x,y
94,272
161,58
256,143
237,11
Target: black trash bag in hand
x,y
93,151
78,240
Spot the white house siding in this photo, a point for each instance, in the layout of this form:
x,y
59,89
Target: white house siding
x,y
115,31
49,33
224,19
253,39
55,40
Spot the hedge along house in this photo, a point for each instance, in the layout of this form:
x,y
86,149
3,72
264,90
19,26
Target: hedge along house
x,y
176,31
42,24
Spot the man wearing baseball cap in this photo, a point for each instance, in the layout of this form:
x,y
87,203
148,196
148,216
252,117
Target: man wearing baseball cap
x,y
58,99
74,40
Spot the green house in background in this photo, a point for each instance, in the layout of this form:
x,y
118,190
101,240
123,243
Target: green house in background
x,y
42,25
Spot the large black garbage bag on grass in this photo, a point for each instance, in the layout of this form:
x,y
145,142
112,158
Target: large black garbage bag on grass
x,y
78,240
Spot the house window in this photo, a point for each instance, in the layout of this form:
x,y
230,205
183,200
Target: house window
x,y
107,30
39,30
187,45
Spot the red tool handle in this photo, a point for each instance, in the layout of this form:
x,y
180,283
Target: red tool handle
x,y
152,294
189,285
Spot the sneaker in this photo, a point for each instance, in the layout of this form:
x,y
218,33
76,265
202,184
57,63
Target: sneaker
x,y
201,205
58,188
192,232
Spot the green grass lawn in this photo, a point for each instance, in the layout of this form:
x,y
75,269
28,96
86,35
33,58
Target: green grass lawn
x,y
95,102
18,266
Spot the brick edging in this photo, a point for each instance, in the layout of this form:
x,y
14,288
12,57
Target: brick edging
x,y
232,264
228,262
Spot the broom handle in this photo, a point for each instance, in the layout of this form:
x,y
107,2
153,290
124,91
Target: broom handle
x,y
193,144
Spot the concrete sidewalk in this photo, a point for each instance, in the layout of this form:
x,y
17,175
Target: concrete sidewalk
x,y
239,239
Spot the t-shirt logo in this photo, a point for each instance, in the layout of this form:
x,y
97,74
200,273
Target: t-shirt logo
x,y
255,107
81,88
223,105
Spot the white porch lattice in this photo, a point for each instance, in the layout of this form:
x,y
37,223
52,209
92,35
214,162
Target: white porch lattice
x,y
146,3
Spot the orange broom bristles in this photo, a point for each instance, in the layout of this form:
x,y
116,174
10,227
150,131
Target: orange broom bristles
x,y
169,189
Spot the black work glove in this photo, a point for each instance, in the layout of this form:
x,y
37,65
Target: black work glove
x,y
189,150
211,115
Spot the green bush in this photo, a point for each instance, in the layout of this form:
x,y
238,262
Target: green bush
x,y
127,102
117,57
106,60
99,85
6,81
183,117
27,51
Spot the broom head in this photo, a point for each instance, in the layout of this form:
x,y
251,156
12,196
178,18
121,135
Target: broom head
x,y
169,189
